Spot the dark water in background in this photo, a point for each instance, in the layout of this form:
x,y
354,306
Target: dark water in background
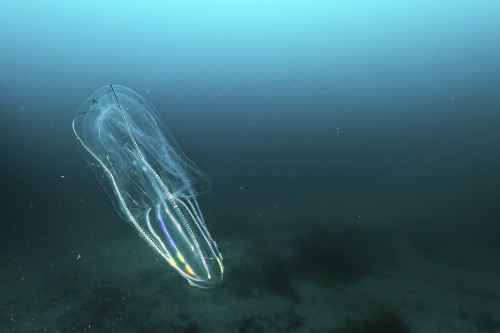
x,y
333,132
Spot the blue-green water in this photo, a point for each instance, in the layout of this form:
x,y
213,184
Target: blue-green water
x,y
352,148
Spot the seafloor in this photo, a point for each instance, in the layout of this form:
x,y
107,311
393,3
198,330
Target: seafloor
x,y
291,276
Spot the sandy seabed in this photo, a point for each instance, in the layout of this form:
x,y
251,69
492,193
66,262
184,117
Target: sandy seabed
x,y
337,278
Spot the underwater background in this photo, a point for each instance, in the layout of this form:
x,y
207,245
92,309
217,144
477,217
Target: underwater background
x,y
353,148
